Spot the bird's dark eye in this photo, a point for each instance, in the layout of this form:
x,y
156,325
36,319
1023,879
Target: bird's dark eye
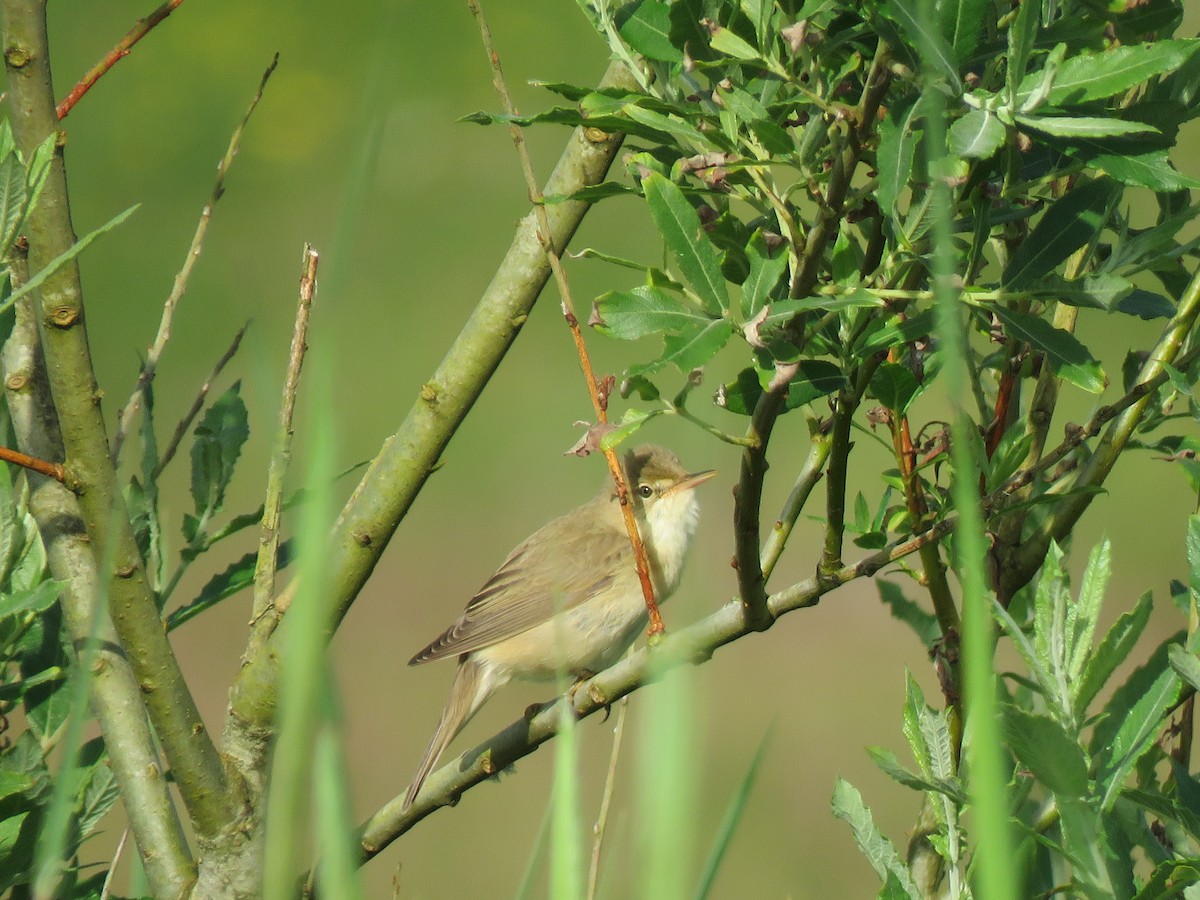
x,y
644,490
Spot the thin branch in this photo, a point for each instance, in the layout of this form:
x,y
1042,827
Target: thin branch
x,y
116,698
606,799
150,366
268,542
198,403
17,458
694,644
599,403
113,56
810,473
199,772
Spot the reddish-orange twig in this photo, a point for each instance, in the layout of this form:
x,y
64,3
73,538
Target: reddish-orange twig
x,y
49,469
140,29
598,402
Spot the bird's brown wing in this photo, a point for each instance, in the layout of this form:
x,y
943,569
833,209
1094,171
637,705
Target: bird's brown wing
x,y
522,594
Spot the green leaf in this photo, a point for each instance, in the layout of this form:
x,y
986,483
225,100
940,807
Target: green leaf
x,y
99,787
1046,750
814,378
1146,168
741,395
890,766
1099,291
724,41
1070,223
12,200
1087,610
897,332
1169,879
1185,664
880,853
648,31
1022,31
65,257
645,310
1146,305
1113,650
923,623
1095,76
34,600
765,271
1132,719
218,443
1084,126
631,421
898,138
962,24
895,386
684,236
236,577
1068,358
977,135
930,46
689,349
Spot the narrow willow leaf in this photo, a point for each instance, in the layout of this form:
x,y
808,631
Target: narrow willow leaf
x,y
880,853
1084,126
35,600
815,378
1095,76
1099,291
65,257
631,420
12,200
1068,358
1043,747
236,577
1169,879
1140,723
725,41
937,55
977,135
629,315
898,138
765,271
1185,664
1192,544
962,24
1021,33
914,702
684,236
1042,677
1113,650
1147,168
891,767
1091,596
1070,223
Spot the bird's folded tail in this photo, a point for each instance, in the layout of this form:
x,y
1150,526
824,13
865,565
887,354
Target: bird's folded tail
x,y
472,685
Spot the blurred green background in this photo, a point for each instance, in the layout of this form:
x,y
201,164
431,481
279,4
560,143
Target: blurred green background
x,y
356,148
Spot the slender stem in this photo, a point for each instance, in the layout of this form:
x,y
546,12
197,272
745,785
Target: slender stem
x,y
115,55
150,366
835,482
181,429
268,542
17,458
606,799
747,503
116,698
810,474
195,763
599,403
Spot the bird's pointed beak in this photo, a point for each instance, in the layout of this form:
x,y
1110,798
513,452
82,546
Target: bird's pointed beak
x,y
687,482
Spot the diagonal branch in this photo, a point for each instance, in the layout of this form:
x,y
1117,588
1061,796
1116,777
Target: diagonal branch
x,y
140,29
193,758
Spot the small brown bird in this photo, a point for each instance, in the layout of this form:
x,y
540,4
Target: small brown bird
x,y
568,599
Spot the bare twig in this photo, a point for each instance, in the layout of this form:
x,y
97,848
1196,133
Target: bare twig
x,y
268,546
150,366
198,403
16,457
552,255
140,29
606,800
117,854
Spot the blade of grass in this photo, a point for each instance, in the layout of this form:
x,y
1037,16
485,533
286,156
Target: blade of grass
x,y
606,800
667,789
988,782
305,668
566,817
338,875
733,818
536,853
